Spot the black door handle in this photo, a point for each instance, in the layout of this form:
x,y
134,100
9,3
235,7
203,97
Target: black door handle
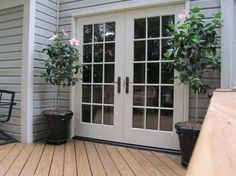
x,y
118,84
127,84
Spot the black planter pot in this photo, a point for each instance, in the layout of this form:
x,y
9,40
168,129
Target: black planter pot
x,y
188,133
57,125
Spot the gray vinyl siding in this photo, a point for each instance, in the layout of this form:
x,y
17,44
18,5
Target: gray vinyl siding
x,y
45,25
208,7
11,27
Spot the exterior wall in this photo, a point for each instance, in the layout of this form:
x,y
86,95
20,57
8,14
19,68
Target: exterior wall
x,y
45,25
213,79
11,31
67,7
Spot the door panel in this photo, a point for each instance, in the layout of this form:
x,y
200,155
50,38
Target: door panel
x,y
101,96
152,106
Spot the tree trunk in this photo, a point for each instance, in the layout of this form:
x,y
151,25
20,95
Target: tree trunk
x,y
57,92
196,106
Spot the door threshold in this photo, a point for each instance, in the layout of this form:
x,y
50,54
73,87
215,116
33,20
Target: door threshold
x,y
134,146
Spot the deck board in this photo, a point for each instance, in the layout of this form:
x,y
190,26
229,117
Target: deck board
x,y
147,165
57,168
80,158
10,158
45,161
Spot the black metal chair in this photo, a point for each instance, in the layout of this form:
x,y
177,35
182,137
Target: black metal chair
x,y
6,104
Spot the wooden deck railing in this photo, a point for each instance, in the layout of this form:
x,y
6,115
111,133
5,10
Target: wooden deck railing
x,y
215,151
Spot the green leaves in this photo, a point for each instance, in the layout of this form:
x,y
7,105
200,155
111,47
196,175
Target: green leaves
x,y
62,63
194,48
195,10
218,15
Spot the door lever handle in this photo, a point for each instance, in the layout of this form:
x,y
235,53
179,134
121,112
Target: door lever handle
x,y
127,84
118,84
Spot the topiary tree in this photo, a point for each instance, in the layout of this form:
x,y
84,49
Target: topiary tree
x,y
194,49
62,64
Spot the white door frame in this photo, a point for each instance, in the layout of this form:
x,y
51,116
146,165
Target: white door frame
x,y
111,8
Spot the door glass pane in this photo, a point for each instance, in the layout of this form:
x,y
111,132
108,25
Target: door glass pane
x,y
140,28
153,27
86,113
110,30
109,73
138,118
166,21
167,73
153,50
86,93
109,94
153,73
97,94
97,73
152,119
167,96
139,73
139,50
98,53
87,53
166,45
166,120
88,31
139,95
152,96
108,115
97,114
98,32
87,72
109,52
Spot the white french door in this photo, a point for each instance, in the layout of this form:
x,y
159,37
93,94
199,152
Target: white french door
x,y
128,93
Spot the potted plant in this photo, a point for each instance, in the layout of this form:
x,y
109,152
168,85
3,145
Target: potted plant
x,y
193,52
62,67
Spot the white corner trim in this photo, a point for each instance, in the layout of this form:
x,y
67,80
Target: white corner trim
x,y
27,72
10,3
122,6
72,89
227,44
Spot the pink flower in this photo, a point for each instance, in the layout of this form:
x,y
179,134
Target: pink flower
x,y
183,15
74,42
53,37
64,32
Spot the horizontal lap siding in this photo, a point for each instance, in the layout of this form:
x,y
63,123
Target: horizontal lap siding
x,y
43,97
208,7
11,30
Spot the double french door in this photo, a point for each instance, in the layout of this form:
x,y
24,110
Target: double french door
x,y
128,93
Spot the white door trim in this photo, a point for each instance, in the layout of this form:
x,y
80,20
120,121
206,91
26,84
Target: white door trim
x,y
121,6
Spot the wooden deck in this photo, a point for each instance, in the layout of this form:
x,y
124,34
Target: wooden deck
x,y
85,158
